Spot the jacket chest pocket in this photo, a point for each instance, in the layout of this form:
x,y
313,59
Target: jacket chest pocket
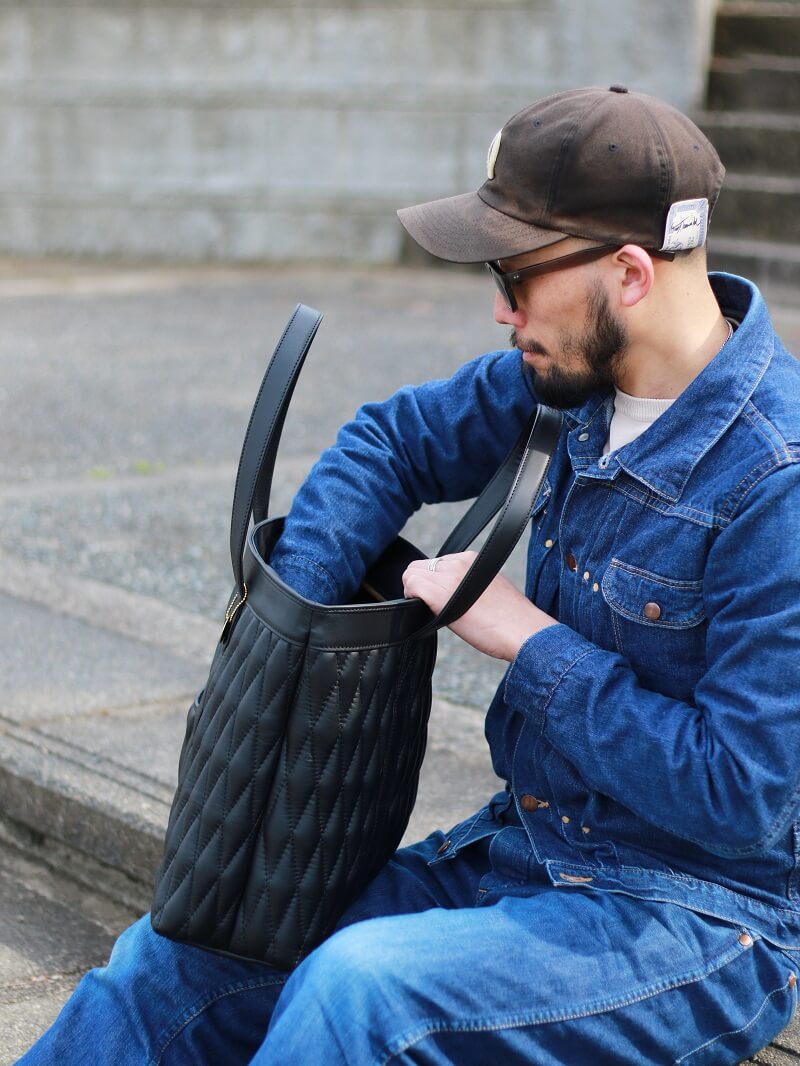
x,y
659,625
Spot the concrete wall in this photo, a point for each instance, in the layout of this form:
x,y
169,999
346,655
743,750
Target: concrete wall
x,y
246,130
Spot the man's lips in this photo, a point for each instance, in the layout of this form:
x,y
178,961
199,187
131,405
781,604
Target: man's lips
x,y
528,357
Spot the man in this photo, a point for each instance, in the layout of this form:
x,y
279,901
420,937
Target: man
x,y
633,896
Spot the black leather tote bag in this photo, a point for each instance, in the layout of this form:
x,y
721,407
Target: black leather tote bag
x,y
301,759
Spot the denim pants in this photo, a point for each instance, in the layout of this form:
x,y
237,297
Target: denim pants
x,y
474,958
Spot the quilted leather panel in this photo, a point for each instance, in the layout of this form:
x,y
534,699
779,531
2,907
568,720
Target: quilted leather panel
x,y
297,778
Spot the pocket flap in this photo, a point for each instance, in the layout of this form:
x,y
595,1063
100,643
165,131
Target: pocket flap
x,y
652,599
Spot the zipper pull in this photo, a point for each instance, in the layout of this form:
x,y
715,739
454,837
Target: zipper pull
x,y
230,616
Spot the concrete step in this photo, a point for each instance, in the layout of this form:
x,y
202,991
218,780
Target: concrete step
x,y
724,5
760,207
752,142
759,83
765,29
757,5
773,266
53,928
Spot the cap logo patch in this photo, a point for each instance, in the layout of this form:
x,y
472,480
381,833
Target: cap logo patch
x,y
491,158
687,223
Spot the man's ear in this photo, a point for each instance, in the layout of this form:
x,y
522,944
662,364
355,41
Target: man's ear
x,y
635,274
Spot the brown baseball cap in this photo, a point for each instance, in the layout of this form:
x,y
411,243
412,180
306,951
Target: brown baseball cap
x,y
609,165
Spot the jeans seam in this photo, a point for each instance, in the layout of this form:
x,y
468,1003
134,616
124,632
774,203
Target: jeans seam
x,y
433,1025
733,1032
204,1005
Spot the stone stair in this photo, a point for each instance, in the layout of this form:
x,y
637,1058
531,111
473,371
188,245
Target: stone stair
x,y
752,115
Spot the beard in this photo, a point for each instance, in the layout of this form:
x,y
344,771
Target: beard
x,y
601,346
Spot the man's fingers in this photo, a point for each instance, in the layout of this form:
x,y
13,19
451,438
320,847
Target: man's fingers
x,y
435,583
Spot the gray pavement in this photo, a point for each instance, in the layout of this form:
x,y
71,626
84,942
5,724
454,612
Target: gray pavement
x,y
53,928
124,396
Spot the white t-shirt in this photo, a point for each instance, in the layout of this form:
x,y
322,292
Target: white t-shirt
x,y
632,415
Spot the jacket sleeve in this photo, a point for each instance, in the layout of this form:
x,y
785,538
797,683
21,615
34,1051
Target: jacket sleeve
x,y
722,771
438,441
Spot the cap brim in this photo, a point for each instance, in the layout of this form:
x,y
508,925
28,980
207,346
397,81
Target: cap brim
x,y
465,229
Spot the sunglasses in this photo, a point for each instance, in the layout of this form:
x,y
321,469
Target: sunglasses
x,y
506,280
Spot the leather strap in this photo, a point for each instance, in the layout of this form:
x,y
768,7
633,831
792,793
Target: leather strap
x,y
260,447
541,436
491,498
510,492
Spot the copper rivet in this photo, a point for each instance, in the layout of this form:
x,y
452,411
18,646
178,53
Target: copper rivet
x,y
792,980
548,543
745,940
572,562
652,611
565,818
529,803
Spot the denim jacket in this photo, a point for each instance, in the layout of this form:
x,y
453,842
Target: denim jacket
x,y
651,739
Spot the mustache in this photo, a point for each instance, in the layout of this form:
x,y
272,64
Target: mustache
x,y
527,345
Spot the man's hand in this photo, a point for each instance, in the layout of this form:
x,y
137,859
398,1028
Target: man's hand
x,y
497,624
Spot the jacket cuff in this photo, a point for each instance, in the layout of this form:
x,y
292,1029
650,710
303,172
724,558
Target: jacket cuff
x,y
542,663
306,577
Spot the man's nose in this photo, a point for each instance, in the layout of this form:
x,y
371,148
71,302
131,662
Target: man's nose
x,y
503,314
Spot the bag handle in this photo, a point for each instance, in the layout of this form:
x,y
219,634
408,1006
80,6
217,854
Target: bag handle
x,y
511,491
259,450
524,468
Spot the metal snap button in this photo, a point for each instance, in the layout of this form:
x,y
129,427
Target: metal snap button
x,y
583,436
792,980
548,543
443,847
652,611
529,803
565,819
745,940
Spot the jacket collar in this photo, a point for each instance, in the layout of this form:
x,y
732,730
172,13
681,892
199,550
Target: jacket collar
x,y
664,456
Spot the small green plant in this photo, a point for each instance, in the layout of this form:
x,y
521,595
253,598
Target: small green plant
x,y
146,467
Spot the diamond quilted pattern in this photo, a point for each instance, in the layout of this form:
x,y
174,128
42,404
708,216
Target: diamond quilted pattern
x,y
297,777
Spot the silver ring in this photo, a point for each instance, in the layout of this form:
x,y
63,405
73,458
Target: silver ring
x,y
432,564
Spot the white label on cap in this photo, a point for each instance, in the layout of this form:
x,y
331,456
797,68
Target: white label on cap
x,y
494,148
686,227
